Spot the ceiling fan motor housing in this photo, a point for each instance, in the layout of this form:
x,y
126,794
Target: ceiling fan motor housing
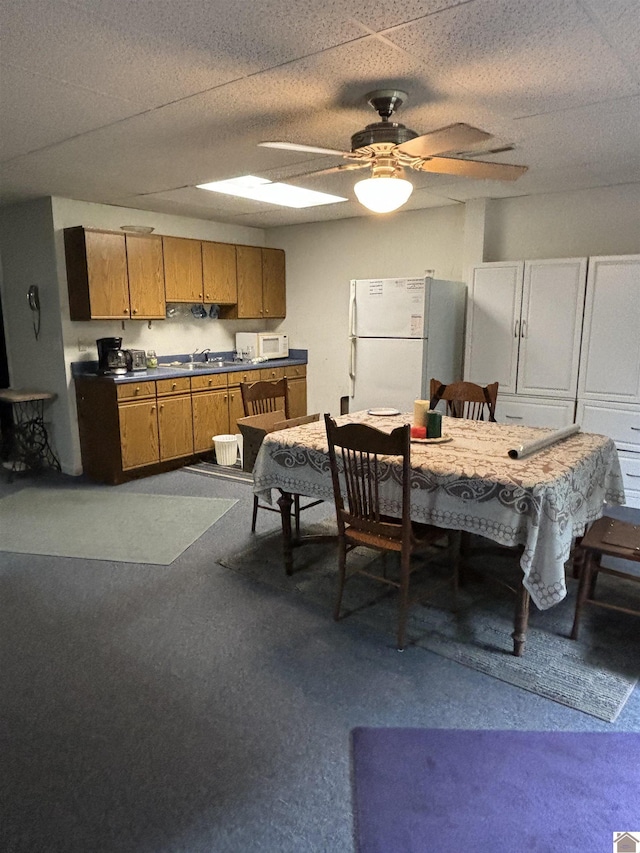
x,y
382,131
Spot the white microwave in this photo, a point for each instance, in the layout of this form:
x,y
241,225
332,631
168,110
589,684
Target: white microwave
x,y
262,344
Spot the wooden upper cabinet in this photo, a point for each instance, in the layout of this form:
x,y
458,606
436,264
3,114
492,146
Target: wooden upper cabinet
x,y
261,284
249,263
96,274
182,269
146,277
273,283
219,276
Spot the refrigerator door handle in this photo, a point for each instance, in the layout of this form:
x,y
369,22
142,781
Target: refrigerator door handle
x,y
352,366
352,310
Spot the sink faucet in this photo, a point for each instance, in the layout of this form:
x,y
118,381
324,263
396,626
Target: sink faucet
x,y
205,352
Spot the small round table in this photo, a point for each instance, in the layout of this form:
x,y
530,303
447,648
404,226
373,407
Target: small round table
x,y
29,447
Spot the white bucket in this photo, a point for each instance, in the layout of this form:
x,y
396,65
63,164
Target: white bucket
x,y
226,449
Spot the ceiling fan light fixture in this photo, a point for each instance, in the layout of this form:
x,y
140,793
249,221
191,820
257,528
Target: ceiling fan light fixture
x,y
383,194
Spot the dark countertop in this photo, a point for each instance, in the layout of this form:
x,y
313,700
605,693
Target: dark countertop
x,y
89,369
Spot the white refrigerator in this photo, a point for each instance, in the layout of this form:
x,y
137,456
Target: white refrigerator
x,y
403,332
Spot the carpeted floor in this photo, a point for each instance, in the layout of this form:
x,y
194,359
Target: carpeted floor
x,y
100,524
426,790
595,675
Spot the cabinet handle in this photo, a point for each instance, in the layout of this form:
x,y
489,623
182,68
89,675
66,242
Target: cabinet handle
x,y
134,310
207,297
126,311
523,329
516,329
514,417
266,310
161,406
153,408
173,386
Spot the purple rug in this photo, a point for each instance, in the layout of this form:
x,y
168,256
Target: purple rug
x,y
449,791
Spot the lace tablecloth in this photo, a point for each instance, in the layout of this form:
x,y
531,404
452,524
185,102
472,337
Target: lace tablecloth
x,y
541,502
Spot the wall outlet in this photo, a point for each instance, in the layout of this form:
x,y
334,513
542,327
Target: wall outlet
x,y
84,345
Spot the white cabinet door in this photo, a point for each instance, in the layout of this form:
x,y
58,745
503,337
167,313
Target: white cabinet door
x,y
534,412
493,325
551,326
610,357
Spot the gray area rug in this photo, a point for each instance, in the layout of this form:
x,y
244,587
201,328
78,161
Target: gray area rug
x,y
595,675
105,524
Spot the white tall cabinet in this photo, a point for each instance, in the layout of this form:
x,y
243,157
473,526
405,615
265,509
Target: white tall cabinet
x,y
524,325
609,385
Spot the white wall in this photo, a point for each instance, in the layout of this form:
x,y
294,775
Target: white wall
x,y
322,258
601,221
27,255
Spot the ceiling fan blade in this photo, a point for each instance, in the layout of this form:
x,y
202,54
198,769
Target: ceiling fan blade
x,y
455,137
310,149
473,169
345,167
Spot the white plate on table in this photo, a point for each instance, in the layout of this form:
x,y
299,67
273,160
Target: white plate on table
x,y
440,440
384,413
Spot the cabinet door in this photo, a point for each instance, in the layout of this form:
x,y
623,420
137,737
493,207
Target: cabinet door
x,y
182,269
274,300
297,397
493,325
249,265
138,434
551,325
175,425
146,277
236,408
210,417
107,275
219,277
610,357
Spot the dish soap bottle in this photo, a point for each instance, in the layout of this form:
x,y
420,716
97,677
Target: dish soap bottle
x,y
152,358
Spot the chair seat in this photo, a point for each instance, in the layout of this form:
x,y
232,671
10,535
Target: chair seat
x,y
422,534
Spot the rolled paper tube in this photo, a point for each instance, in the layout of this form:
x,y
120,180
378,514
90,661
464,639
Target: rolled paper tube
x,y
420,410
533,446
418,432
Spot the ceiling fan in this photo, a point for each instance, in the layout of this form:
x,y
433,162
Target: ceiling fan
x,y
389,147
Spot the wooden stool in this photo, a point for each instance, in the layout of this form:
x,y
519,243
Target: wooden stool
x,y
608,537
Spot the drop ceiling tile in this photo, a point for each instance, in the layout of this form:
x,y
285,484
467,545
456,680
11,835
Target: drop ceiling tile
x,y
519,57
619,22
56,111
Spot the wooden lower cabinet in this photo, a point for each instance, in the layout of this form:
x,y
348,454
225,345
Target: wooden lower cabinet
x,y
175,427
139,444
136,429
210,417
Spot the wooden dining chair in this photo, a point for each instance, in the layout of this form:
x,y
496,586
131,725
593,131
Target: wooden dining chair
x,y
465,399
258,398
358,456
607,537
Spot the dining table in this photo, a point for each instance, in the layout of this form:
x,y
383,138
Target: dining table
x,y
467,480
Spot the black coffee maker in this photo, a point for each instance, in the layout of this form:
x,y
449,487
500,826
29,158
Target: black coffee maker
x,y
112,359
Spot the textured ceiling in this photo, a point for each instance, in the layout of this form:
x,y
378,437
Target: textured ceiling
x,y
133,103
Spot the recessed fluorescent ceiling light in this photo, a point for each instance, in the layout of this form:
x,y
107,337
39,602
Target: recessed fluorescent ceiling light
x,y
260,189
